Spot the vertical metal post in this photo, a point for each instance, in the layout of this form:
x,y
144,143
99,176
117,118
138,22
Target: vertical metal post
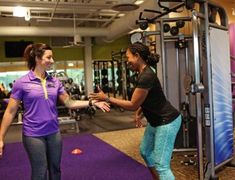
x,y
186,134
198,94
124,88
178,74
88,66
113,79
210,98
186,61
164,75
185,127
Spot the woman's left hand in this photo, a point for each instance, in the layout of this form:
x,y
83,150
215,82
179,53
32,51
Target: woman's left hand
x,y
104,106
138,122
138,117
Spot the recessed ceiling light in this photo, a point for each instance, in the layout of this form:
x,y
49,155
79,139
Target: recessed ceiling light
x,y
27,15
121,15
70,64
19,11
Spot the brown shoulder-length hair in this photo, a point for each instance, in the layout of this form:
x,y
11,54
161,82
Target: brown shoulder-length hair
x,y
34,50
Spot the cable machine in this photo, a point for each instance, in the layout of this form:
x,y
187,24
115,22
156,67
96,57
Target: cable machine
x,y
207,86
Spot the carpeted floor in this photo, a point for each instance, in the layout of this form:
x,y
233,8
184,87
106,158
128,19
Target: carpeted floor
x,y
117,129
97,161
128,142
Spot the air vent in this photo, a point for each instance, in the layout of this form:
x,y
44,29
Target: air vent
x,y
125,7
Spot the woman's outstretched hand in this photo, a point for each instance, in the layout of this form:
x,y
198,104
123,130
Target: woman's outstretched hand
x,y
101,96
104,106
100,99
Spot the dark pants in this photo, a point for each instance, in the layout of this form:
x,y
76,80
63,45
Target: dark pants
x,y
44,154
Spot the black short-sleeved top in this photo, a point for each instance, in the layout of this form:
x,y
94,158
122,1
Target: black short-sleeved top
x,y
156,108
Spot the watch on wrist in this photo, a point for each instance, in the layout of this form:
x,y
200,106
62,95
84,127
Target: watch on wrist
x,y
107,99
90,102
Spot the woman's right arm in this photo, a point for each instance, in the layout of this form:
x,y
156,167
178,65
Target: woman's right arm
x,y
8,117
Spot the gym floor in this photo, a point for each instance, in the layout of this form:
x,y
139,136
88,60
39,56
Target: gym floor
x,y
117,129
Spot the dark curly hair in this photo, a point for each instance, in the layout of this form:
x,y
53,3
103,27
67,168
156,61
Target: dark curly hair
x,y
144,52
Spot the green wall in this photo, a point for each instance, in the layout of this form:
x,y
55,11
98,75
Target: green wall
x,y
103,51
99,51
64,54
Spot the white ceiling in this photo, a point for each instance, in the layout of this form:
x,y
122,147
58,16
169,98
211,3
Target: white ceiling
x,y
88,13
87,16
94,18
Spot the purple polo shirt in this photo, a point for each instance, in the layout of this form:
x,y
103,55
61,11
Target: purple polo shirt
x,y
40,116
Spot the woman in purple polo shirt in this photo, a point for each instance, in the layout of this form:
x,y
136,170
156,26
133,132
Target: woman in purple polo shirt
x,y
39,93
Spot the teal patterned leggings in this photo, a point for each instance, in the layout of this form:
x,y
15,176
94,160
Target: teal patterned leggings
x,y
157,146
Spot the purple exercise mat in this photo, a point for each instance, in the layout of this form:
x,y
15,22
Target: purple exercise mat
x,y
98,161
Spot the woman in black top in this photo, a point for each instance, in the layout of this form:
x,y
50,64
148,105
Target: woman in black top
x,y
148,98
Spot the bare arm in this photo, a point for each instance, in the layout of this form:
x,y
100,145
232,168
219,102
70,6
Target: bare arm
x,y
74,104
137,99
8,117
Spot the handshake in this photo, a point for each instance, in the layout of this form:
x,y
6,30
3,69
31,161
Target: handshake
x,y
100,100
